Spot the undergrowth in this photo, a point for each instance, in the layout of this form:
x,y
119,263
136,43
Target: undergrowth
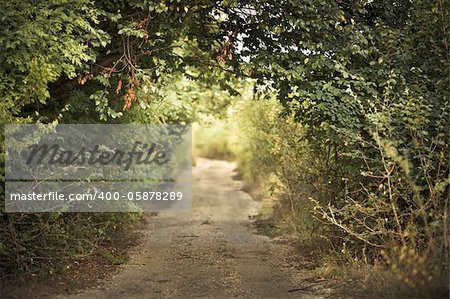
x,y
371,223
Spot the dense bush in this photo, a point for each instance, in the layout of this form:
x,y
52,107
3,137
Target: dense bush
x,y
376,198
46,243
361,141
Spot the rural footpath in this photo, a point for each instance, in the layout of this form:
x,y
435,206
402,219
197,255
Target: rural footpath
x,y
211,252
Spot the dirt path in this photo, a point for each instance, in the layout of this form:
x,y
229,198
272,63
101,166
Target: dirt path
x,y
211,252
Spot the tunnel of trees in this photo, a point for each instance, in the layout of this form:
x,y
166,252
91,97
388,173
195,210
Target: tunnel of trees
x,y
366,83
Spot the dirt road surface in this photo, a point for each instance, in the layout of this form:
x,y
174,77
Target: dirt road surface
x,y
211,252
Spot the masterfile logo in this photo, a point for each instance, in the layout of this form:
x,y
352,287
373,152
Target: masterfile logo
x,y
97,168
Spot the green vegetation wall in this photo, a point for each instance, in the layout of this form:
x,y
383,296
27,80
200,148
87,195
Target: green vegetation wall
x,y
366,83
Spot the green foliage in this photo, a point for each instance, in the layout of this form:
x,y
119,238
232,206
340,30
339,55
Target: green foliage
x,y
274,155
362,133
366,203
214,140
368,85
40,42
